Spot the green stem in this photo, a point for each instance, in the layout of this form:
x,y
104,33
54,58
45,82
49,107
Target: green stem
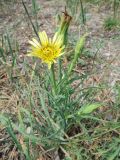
x,y
82,12
114,8
59,70
53,80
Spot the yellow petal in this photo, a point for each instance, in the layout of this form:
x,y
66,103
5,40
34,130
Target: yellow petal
x,y
36,42
43,38
32,54
50,41
55,37
33,44
29,55
54,61
61,53
59,41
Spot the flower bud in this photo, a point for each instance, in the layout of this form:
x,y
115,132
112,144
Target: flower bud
x,y
80,45
63,28
78,50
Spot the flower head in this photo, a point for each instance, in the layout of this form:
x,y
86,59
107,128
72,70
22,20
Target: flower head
x,y
47,50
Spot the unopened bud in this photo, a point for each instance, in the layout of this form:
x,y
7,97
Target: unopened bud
x,y
80,45
78,50
63,28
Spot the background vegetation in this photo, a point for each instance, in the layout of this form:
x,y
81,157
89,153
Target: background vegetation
x,y
36,125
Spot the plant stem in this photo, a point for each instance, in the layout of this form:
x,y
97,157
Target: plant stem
x,y
114,8
82,12
53,80
33,26
59,70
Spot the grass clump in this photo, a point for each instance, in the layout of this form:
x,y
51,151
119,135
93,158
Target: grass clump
x,y
110,23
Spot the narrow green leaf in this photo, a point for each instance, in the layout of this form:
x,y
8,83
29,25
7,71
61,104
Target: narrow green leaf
x,y
26,10
11,50
88,108
7,123
114,155
2,54
20,118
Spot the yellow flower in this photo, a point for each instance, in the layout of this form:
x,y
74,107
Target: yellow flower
x,y
47,50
